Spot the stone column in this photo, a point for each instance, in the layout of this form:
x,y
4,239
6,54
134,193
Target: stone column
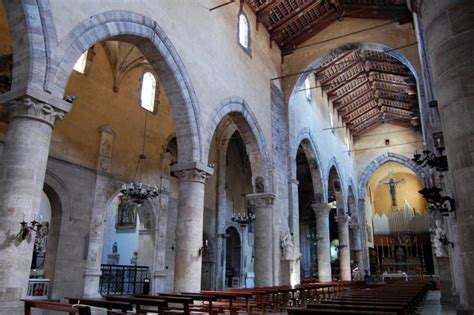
x,y
323,242
22,172
449,33
357,246
344,247
189,229
97,228
262,206
161,231
295,227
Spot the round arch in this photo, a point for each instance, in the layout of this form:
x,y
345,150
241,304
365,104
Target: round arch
x,y
151,40
239,112
334,165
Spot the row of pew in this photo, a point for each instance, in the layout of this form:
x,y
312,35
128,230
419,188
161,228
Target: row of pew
x,y
402,298
330,298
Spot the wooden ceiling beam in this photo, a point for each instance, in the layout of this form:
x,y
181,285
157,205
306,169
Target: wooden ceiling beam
x,y
342,72
351,91
300,11
333,62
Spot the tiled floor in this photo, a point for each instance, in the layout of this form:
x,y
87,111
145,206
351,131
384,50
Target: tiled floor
x,y
432,305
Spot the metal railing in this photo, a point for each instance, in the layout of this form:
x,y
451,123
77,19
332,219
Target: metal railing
x,y
38,289
122,279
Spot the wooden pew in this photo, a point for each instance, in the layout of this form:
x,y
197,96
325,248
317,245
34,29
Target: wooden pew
x,y
110,306
161,305
305,311
55,306
185,301
399,310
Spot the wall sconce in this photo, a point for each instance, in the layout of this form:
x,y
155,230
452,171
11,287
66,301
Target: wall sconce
x,y
204,247
443,204
26,229
428,158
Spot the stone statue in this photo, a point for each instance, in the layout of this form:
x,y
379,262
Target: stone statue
x,y
287,246
259,185
114,248
439,236
134,258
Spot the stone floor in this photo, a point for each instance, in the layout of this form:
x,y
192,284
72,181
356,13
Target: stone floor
x,y
432,305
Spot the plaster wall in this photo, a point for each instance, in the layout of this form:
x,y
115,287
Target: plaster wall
x,y
223,68
370,145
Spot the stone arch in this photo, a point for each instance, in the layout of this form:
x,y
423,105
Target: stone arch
x,y
57,187
152,41
239,112
351,201
333,168
382,159
315,169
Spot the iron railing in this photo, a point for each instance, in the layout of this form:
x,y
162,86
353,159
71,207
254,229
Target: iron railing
x,y
123,280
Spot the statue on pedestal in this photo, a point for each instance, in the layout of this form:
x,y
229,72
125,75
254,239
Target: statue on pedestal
x,y
287,246
439,239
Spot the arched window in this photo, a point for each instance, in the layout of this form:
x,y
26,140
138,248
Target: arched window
x,y
307,88
331,121
148,92
244,31
80,65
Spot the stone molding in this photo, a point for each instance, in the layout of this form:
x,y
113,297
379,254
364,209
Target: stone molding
x,y
28,107
262,200
195,174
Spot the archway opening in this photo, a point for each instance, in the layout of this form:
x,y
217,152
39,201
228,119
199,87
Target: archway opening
x,y
233,258
400,222
336,204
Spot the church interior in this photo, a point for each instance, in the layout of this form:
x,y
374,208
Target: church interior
x,y
236,157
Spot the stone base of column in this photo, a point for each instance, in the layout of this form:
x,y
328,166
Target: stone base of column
x,y
159,283
445,280
91,283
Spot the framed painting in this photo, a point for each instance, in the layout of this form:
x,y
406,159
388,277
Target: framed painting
x,y
126,215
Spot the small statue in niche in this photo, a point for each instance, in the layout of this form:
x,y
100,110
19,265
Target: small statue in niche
x,y
438,239
287,246
134,258
114,248
259,185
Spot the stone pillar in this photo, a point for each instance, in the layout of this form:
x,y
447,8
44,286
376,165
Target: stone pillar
x,y
262,206
344,247
449,33
295,277
357,246
97,228
161,231
323,242
22,172
189,229
445,280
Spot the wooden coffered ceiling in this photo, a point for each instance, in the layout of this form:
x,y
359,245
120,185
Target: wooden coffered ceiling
x,y
291,22
368,88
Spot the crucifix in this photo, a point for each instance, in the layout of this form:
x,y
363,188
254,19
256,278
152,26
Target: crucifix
x,y
392,182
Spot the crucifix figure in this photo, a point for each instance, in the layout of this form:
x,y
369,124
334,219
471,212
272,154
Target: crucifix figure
x,y
392,182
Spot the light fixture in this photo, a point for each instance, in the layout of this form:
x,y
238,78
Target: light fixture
x,y
137,191
26,229
204,247
438,203
243,219
428,158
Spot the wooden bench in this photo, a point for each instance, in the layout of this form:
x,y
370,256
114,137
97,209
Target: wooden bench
x,y
160,305
305,311
55,306
110,306
399,310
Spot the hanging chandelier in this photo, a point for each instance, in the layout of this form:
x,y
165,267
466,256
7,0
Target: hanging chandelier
x,y
243,219
139,190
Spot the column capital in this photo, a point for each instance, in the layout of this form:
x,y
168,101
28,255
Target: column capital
x,y
29,107
260,200
192,172
343,219
321,209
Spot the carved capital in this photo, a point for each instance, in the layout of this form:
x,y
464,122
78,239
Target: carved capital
x,y
264,200
343,220
31,108
192,175
321,209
